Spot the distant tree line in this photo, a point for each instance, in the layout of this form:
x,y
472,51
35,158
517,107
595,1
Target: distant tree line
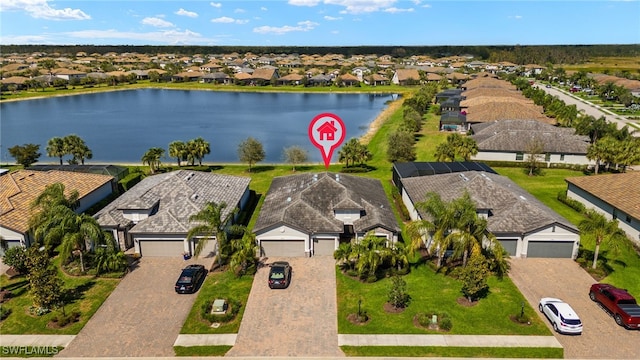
x,y
518,54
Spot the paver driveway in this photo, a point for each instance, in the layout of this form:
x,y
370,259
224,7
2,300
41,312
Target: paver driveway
x,y
300,321
563,278
142,317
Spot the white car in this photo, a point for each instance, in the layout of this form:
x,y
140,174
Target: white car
x,y
562,317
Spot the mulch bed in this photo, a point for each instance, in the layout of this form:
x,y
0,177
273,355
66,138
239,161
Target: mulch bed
x,y
514,318
465,302
390,309
353,318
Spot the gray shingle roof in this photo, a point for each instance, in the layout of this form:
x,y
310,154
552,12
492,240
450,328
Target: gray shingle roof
x,y
515,135
307,202
513,210
177,195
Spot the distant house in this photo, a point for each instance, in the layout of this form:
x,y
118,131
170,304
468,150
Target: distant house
x,y
320,80
510,140
153,216
216,78
264,76
453,121
376,80
616,196
524,226
406,77
310,214
20,188
291,79
187,76
68,74
347,80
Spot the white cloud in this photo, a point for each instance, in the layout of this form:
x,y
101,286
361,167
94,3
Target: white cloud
x,y
263,8
361,6
426,6
229,20
301,26
157,22
517,17
239,11
40,9
163,37
184,12
394,10
332,18
216,5
24,39
304,2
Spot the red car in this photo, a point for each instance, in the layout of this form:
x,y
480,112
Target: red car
x,y
619,303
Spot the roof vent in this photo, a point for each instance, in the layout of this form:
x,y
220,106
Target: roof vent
x,y
194,197
189,176
523,198
463,177
338,177
289,199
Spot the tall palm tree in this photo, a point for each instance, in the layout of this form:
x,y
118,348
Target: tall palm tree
x,y
76,146
178,150
200,148
79,229
243,257
603,231
56,148
442,221
152,158
211,222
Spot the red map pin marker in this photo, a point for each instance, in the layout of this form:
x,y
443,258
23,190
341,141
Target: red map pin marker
x,y
326,132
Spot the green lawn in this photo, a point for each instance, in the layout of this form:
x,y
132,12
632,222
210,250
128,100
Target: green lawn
x,y
432,292
218,285
219,350
453,351
90,293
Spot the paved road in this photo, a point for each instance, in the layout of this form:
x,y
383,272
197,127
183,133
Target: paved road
x,y
298,321
142,316
564,279
588,108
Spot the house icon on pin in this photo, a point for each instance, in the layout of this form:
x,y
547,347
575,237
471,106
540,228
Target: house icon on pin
x,y
327,131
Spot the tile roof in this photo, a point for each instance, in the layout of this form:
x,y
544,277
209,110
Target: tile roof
x,y
307,202
406,74
178,195
621,191
515,135
19,189
492,111
513,209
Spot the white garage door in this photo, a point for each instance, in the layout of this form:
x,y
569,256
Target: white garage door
x,y
166,248
284,248
209,249
550,249
324,247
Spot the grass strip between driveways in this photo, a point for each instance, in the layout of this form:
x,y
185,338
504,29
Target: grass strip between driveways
x,y
454,351
218,285
212,350
433,292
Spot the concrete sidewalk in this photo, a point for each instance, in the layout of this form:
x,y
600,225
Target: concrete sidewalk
x,y
36,340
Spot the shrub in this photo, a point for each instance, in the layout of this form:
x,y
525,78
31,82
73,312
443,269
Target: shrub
x,y
232,310
128,181
16,258
65,319
446,324
4,312
398,296
424,319
574,204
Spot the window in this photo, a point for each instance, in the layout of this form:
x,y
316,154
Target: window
x,y
615,214
519,156
561,157
547,157
628,219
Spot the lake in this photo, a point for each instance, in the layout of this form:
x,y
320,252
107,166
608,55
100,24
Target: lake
x,y
120,126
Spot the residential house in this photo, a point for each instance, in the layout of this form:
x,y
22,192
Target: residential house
x,y
347,80
291,79
68,74
310,214
523,225
320,80
216,78
153,216
406,77
616,196
511,140
264,76
453,121
18,190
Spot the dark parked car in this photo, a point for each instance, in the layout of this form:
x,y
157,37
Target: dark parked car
x,y
190,278
279,275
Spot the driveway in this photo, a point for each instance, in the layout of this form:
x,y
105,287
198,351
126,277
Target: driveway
x,y
299,321
142,316
563,278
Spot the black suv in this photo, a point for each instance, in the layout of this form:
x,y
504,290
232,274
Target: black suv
x,y
279,275
190,279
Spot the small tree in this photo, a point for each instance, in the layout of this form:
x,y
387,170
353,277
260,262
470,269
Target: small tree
x,y
251,151
295,155
474,276
44,284
26,154
398,296
400,147
16,257
534,158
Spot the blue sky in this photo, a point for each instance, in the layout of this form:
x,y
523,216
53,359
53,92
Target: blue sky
x,y
319,22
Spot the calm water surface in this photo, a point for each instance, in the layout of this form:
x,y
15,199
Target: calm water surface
x,y
120,126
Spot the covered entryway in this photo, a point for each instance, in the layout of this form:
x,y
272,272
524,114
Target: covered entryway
x,y
550,249
283,248
324,247
165,248
510,245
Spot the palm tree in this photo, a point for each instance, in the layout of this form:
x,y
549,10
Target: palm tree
x,y
78,230
243,257
603,231
211,222
178,150
152,158
442,222
56,148
75,146
344,255
200,148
